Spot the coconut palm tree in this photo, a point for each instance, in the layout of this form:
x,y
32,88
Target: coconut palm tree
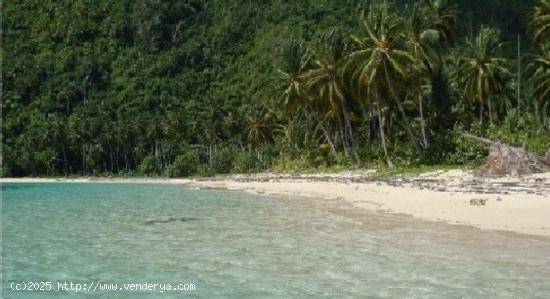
x,y
442,15
539,68
421,40
442,18
539,71
296,60
259,126
430,30
482,75
326,89
381,65
540,23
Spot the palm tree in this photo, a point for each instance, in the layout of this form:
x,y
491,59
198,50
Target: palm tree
x,y
442,17
380,66
482,75
326,89
540,22
296,60
421,40
539,71
430,29
296,133
259,126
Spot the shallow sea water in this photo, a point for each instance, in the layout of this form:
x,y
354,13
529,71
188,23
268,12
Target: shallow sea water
x,y
237,245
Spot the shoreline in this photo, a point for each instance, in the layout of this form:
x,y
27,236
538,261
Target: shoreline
x,y
518,205
99,180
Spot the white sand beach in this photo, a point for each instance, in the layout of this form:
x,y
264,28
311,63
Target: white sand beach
x,y
519,205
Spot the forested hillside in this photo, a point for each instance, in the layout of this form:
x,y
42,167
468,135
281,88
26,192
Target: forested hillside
x,y
194,87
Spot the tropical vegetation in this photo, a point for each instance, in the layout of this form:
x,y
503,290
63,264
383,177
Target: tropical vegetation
x,y
180,88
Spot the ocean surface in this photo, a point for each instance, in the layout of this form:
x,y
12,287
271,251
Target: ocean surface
x,y
237,245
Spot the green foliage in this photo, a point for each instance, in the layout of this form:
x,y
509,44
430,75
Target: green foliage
x,y
522,131
539,74
540,23
284,164
246,162
150,165
464,151
483,75
184,165
193,87
222,160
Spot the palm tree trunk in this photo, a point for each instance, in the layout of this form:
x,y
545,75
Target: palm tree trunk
x,y
350,132
369,118
480,90
83,161
519,74
112,160
327,137
490,112
117,158
480,113
65,160
404,119
422,123
133,155
382,135
344,139
126,162
405,123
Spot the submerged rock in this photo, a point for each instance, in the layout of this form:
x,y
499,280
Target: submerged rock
x,y
167,220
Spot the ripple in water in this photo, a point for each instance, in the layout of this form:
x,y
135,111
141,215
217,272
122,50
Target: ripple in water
x,y
232,244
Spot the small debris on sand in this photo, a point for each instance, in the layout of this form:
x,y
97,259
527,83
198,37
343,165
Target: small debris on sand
x,y
478,202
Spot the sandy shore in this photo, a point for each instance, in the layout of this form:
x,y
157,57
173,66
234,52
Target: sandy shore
x,y
520,205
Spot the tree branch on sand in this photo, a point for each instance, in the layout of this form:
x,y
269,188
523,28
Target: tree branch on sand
x,y
507,160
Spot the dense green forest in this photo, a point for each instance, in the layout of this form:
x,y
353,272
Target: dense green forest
x,y
193,87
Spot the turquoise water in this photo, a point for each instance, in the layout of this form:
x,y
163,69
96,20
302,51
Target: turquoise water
x,y
230,244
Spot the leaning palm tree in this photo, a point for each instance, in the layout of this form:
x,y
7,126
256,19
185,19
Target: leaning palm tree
x,y
326,89
482,75
540,23
380,66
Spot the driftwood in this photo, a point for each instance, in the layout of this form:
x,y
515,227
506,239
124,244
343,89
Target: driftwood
x,y
507,160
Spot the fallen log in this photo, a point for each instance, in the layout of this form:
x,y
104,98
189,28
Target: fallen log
x,y
508,160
